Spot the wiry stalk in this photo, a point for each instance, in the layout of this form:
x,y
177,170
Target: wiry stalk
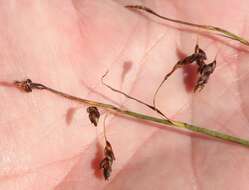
x,y
28,86
215,29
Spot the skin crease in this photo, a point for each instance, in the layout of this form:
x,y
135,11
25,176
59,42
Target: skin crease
x,y
48,142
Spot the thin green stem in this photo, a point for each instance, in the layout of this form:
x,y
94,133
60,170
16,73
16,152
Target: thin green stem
x,y
215,29
28,87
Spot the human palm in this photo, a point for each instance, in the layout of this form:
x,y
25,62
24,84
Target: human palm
x,y
48,142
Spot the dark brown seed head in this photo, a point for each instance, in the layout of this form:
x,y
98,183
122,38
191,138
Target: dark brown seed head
x,y
24,85
106,163
94,115
205,71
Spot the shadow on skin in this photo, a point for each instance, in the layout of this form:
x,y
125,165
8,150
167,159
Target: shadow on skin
x,y
70,113
190,77
127,65
97,159
7,84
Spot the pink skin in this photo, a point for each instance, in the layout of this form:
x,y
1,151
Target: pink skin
x,y
49,143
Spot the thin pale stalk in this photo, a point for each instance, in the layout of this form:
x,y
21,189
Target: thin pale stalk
x,y
143,117
211,28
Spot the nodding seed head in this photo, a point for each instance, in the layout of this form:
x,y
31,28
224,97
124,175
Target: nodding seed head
x,y
25,85
94,115
106,163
